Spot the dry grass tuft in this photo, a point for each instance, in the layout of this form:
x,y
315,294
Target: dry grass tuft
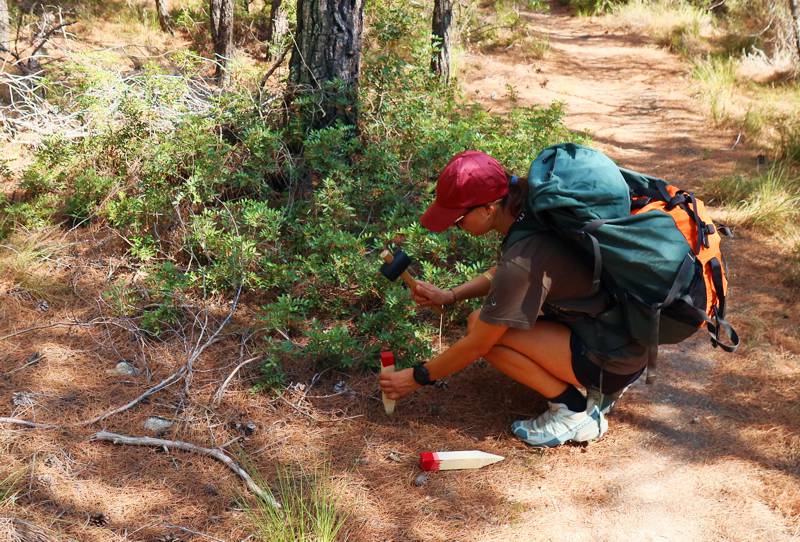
x,y
769,203
28,257
677,25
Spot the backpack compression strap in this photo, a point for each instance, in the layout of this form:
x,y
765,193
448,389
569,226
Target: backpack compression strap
x,y
719,312
718,323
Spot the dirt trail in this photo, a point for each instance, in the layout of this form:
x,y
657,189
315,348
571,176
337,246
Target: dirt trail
x,y
632,98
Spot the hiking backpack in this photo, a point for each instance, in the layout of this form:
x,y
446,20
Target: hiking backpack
x,y
653,247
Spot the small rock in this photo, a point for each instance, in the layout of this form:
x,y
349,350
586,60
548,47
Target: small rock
x,y
394,456
126,368
156,424
23,399
421,480
695,420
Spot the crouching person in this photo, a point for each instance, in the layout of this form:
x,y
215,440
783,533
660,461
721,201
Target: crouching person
x,y
525,328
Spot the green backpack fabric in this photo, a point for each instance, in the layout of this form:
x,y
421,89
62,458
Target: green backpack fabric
x,y
642,260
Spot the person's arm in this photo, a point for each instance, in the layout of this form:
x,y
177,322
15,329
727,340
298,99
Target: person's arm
x,y
465,351
427,294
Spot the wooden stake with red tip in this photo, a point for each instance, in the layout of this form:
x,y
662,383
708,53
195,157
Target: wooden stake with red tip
x,y
470,459
387,366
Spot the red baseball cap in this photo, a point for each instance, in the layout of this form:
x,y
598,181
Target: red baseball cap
x,y
470,179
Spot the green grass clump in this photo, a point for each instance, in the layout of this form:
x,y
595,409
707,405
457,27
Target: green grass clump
x,y
717,79
309,510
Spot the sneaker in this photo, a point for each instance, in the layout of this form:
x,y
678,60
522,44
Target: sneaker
x,y
604,401
559,425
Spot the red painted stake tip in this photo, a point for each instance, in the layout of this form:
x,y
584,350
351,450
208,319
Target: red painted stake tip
x,y
387,358
429,461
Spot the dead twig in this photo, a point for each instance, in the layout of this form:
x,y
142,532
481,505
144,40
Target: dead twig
x,y
275,66
183,372
171,379
26,423
216,453
198,349
218,395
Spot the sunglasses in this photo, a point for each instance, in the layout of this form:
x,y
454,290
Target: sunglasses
x,y
457,222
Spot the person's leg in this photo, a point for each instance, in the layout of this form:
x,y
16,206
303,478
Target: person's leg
x,y
541,359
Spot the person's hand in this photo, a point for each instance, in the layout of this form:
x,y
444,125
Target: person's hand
x,y
398,384
427,295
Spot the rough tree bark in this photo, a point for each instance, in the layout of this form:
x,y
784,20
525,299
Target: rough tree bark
x,y
4,24
163,16
793,6
325,60
222,35
440,38
275,6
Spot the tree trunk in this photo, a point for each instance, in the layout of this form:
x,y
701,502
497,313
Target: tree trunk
x,y
222,35
4,25
325,60
440,38
274,13
163,16
795,23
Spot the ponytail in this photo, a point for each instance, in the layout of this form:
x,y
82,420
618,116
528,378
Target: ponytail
x,y
514,201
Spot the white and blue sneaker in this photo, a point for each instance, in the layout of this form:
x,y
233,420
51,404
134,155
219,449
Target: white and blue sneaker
x,y
559,424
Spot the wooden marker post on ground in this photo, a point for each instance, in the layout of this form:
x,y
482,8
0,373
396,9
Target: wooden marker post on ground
x,y
471,459
387,366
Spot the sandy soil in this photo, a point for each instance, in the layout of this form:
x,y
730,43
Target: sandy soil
x,y
711,452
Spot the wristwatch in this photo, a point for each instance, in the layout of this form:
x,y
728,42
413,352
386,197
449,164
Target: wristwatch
x,y
422,376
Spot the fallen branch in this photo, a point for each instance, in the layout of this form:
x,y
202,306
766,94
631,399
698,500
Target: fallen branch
x,y
216,453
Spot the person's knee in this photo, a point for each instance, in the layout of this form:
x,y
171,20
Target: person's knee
x,y
472,319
